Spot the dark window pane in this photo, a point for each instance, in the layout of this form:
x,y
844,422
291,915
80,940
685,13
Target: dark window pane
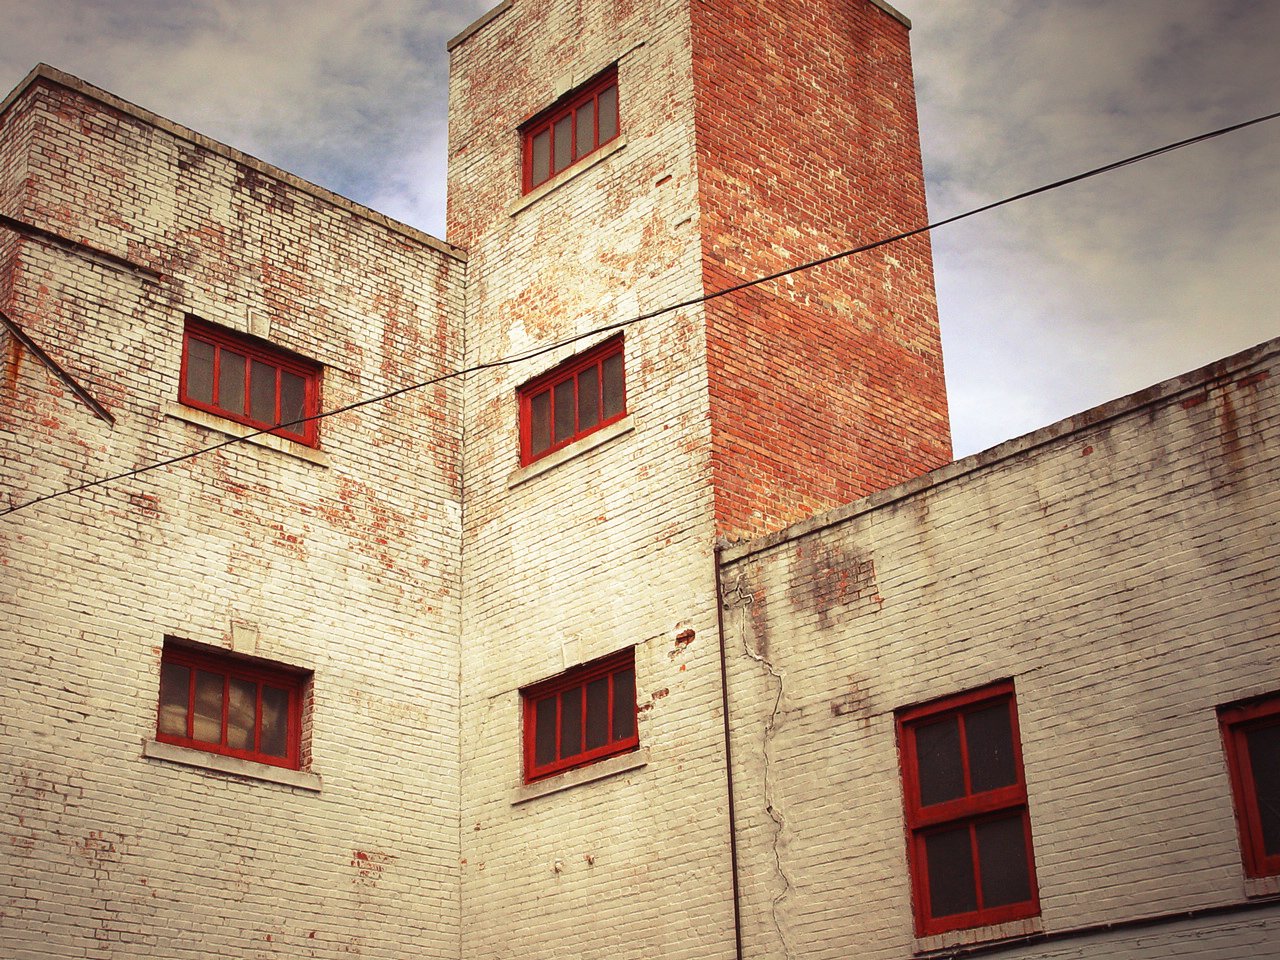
x,y
540,422
231,381
597,713
200,370
541,157
274,740
208,719
614,391
950,866
938,759
586,132
571,723
990,740
262,393
563,143
624,704
242,705
175,689
293,400
1264,761
608,114
564,410
544,738
588,398
1002,862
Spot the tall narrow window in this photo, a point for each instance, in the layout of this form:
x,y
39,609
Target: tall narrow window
x,y
966,810
580,716
249,381
576,398
575,126
1251,736
226,704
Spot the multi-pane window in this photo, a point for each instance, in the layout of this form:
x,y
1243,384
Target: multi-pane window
x,y
580,716
965,795
576,126
578,397
228,705
1251,735
249,381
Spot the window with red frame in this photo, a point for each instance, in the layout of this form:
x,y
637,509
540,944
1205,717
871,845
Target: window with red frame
x,y
578,397
969,835
232,706
579,124
249,381
581,716
1251,735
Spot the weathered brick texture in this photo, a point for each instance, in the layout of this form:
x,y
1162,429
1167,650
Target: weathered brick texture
x,y
613,547
827,385
349,570
1120,568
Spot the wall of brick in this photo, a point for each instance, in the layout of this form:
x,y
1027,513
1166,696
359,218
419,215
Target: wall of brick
x,y
611,548
827,385
347,567
1119,567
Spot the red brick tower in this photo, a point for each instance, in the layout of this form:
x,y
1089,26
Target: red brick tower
x,y
827,385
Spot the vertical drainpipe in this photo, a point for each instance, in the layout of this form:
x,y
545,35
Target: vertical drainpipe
x,y
728,763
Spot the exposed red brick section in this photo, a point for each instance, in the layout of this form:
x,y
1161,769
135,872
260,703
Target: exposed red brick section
x,y
826,386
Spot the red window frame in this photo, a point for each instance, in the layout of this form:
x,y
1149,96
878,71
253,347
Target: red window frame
x,y
1238,721
582,142
230,668
972,809
560,694
258,356
589,373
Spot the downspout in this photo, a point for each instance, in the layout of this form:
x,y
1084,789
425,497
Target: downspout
x,y
728,763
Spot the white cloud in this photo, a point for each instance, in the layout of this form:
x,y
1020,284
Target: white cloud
x,y
1054,304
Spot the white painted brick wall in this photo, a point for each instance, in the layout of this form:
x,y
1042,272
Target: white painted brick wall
x,y
1122,573
350,570
610,549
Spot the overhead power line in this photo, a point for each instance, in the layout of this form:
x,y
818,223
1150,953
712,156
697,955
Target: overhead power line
x,y
670,308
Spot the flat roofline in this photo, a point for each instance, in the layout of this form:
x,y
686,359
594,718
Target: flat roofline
x,y
53,75
894,12
1163,392
477,25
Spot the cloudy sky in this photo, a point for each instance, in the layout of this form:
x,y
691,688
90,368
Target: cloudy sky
x,y
1049,306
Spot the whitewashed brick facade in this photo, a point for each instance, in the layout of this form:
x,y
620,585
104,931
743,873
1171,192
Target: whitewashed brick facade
x,y
1118,566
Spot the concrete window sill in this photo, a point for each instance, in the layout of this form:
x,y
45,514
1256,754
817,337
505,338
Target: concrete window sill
x,y
575,449
1261,886
571,173
289,448
301,779
575,778
942,943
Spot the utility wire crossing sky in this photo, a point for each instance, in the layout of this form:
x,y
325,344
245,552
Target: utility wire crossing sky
x,y
1046,308
547,348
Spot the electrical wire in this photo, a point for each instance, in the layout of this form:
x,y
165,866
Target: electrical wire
x,y
670,308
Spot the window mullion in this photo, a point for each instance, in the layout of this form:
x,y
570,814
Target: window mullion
x,y
226,707
977,865
191,703
257,716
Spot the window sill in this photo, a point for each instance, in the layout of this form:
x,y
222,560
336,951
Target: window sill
x,y
576,449
1262,886
302,779
944,942
570,173
609,767
230,428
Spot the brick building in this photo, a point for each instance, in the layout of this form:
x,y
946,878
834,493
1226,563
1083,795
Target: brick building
x,y
678,636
